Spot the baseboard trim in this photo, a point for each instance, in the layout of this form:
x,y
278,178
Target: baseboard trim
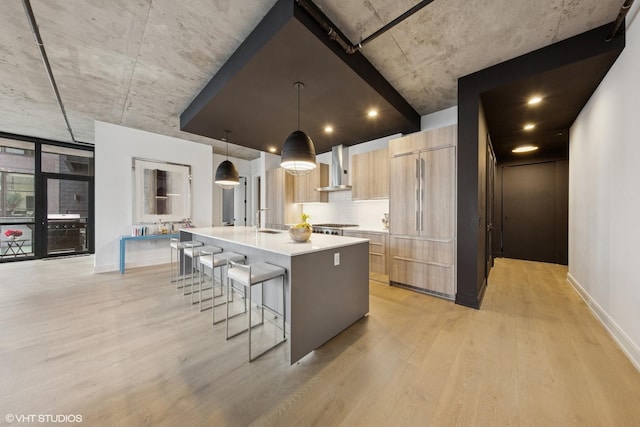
x,y
422,290
108,268
97,269
619,336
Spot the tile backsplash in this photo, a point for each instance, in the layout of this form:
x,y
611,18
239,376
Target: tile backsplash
x,y
341,209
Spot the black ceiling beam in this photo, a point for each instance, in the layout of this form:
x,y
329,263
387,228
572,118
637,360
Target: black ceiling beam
x,y
252,93
273,21
357,62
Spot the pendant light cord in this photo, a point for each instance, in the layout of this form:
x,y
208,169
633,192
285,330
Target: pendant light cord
x,y
227,143
298,107
298,85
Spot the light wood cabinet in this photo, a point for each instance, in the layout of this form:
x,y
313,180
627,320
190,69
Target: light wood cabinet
x,y
370,175
423,186
436,251
378,250
425,140
424,276
422,212
305,185
281,208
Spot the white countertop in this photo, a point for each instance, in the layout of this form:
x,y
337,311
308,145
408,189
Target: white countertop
x,y
279,243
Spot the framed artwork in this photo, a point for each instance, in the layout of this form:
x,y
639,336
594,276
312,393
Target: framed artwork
x,y
161,191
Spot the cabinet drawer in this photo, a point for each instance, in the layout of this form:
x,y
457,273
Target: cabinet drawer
x,y
434,278
439,252
377,263
377,248
373,237
377,241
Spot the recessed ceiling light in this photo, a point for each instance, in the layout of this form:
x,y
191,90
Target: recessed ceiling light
x,y
534,100
529,126
372,113
272,149
328,129
524,149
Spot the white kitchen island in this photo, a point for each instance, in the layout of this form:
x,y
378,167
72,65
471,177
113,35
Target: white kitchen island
x,y
326,285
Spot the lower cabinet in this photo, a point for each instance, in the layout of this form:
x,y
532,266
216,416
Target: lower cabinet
x,y
378,250
422,264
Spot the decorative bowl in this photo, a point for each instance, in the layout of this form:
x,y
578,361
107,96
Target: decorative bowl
x,y
300,234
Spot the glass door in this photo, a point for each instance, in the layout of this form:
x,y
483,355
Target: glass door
x,y
66,214
67,222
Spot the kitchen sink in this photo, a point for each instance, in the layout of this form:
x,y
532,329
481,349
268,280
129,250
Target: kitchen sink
x,y
270,231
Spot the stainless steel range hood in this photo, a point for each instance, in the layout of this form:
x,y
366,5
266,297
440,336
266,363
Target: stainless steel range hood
x,y
336,173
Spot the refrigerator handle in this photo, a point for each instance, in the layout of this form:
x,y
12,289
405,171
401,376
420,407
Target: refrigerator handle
x,y
417,195
422,185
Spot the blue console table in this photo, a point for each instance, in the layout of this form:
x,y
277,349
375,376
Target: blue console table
x,y
123,244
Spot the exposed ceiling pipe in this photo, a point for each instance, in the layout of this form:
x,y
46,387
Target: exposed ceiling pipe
x,y
323,21
620,19
337,36
45,60
396,21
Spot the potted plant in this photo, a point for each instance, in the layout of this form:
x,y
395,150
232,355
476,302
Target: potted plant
x,y
13,234
301,231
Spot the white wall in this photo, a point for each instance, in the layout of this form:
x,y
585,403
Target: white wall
x,y
439,119
604,198
342,210
115,146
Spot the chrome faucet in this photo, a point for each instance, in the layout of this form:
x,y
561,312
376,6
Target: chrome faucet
x,y
258,217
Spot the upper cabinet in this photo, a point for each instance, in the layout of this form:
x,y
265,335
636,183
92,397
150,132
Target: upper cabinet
x,y
423,186
425,140
370,175
281,208
305,185
423,166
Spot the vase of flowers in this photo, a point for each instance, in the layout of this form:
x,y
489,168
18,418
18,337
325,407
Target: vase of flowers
x,y
301,231
13,234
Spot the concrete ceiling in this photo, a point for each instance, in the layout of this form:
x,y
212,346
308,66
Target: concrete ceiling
x,y
141,63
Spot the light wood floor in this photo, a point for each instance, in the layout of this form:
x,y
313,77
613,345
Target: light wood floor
x,y
127,350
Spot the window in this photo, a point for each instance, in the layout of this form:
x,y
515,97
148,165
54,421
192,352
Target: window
x,y
67,160
16,178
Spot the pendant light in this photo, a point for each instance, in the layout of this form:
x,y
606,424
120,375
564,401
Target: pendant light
x,y
298,155
227,174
